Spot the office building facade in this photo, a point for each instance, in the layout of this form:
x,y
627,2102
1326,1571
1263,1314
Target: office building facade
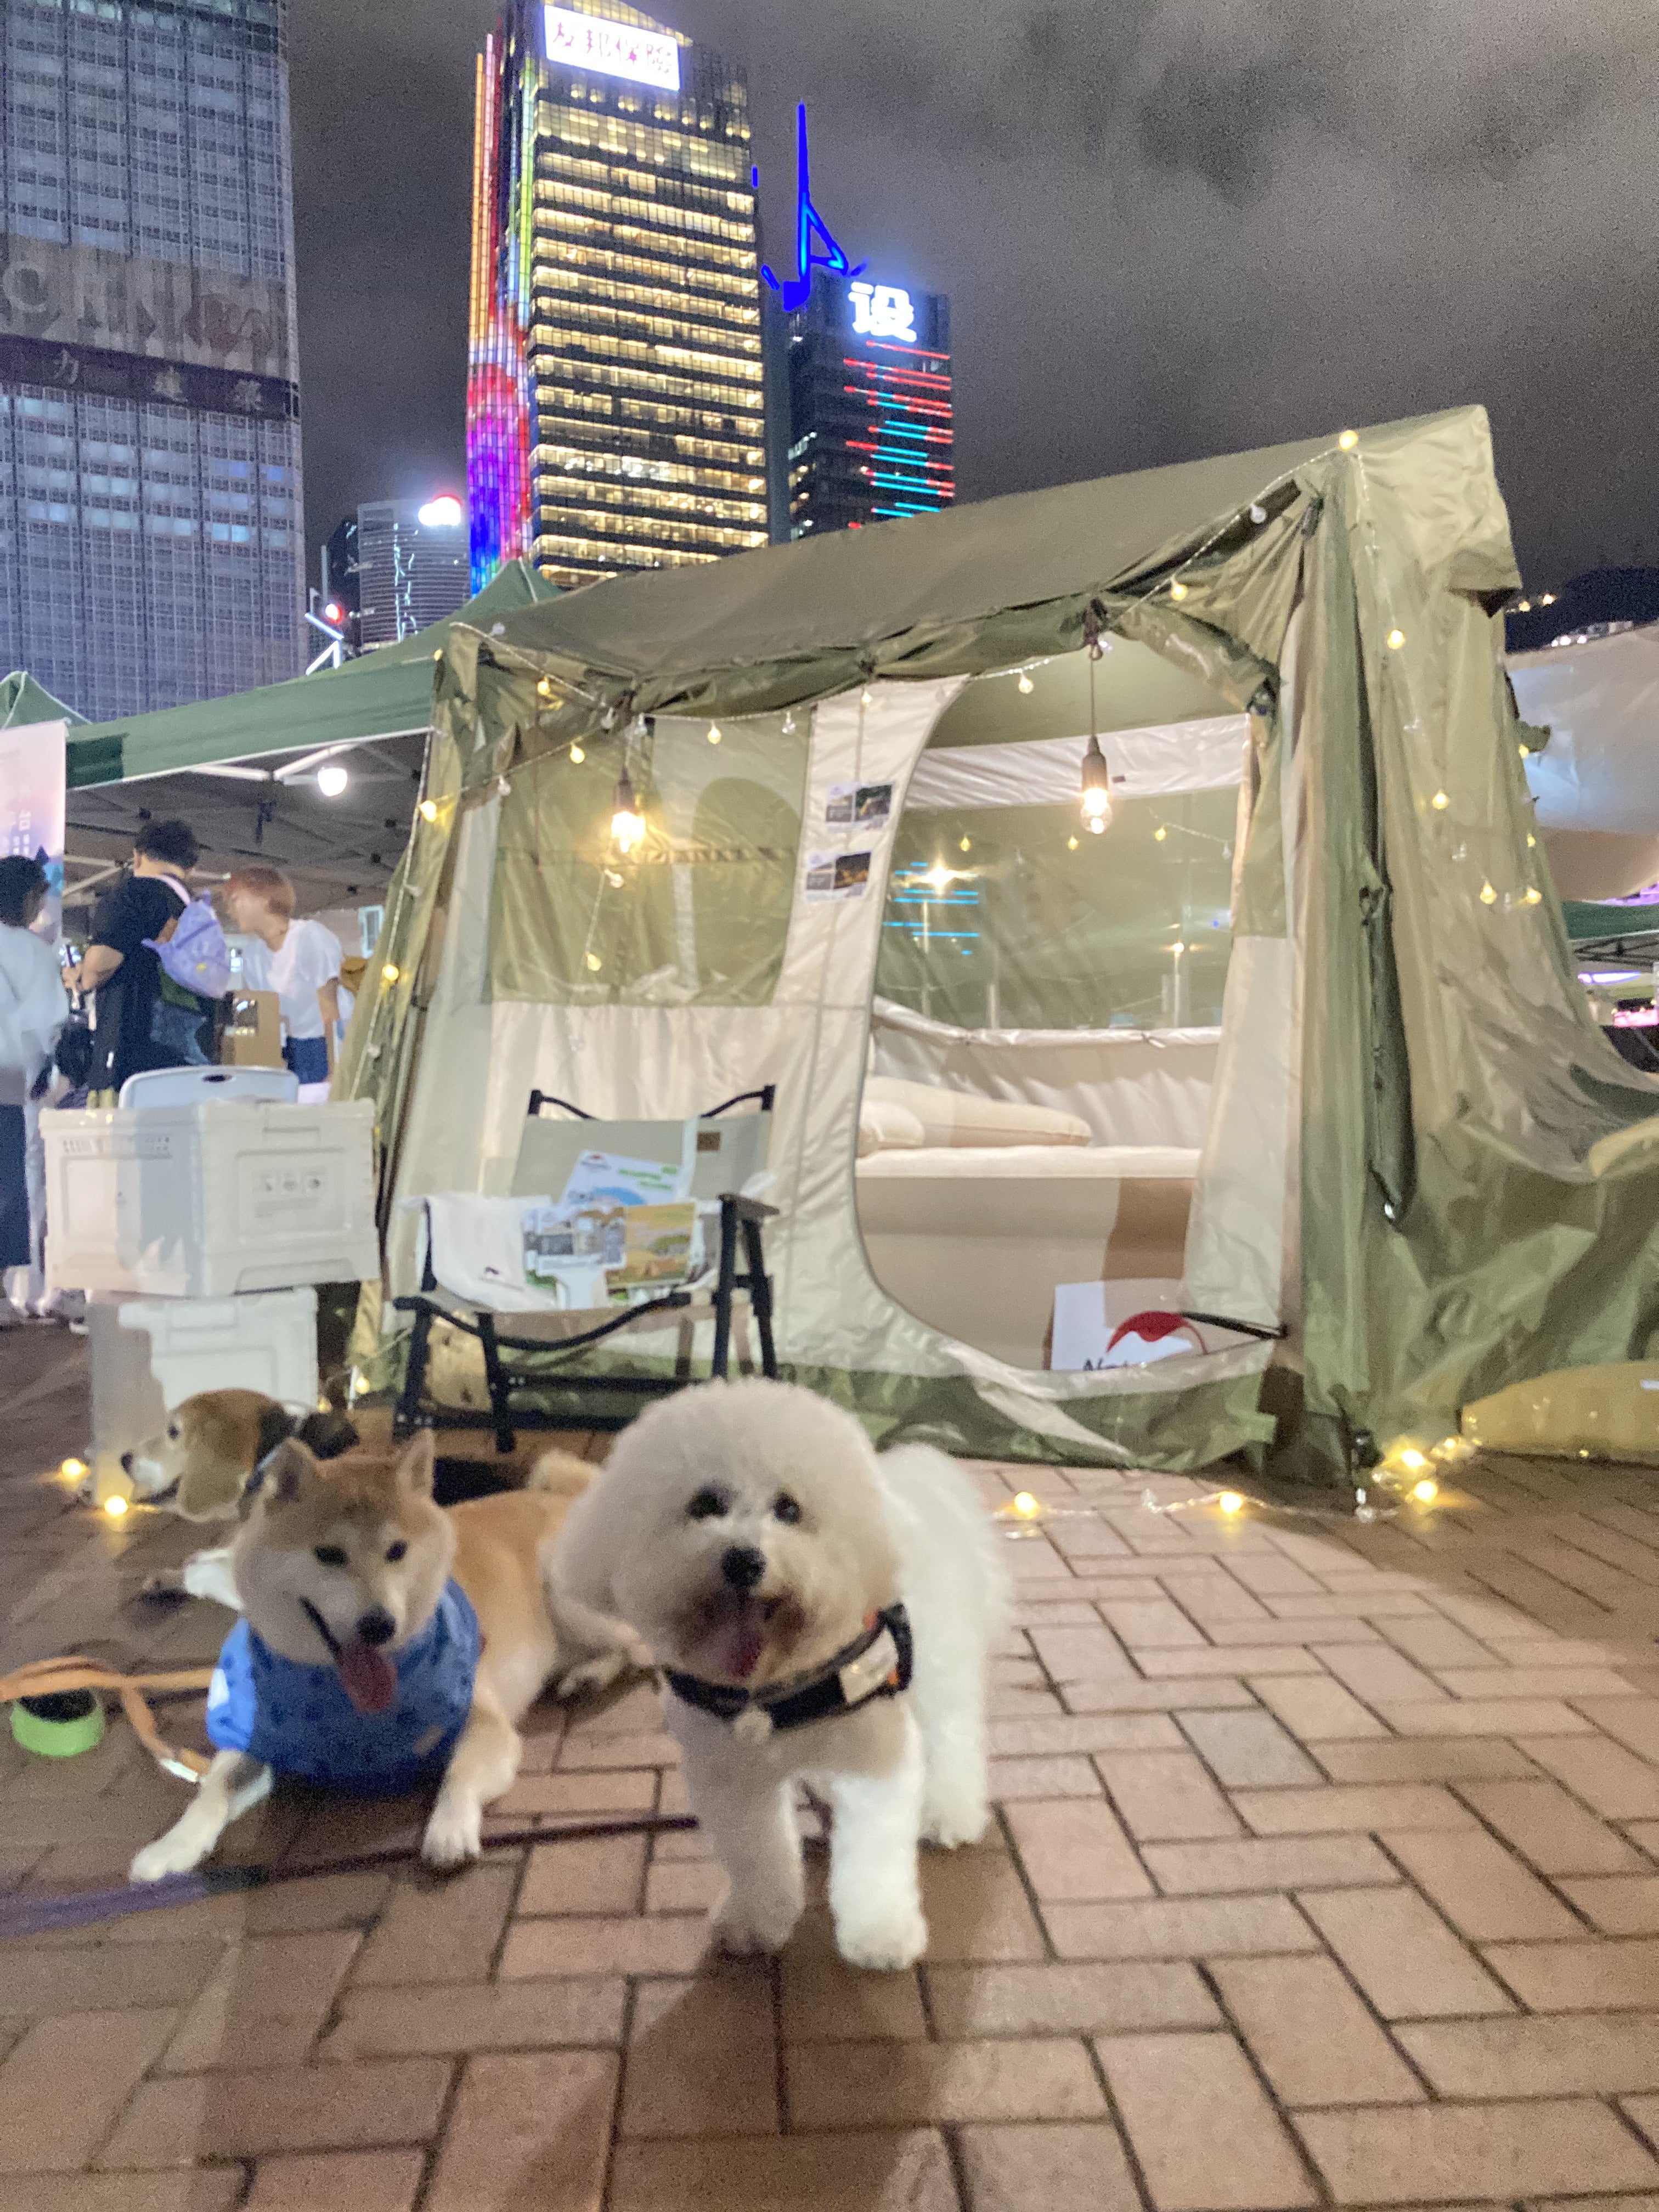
x,y
412,567
151,544
869,424
615,408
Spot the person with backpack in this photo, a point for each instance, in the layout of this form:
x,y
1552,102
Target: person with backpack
x,y
156,962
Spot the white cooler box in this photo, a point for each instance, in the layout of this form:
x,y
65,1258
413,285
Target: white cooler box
x,y
205,1201
148,1355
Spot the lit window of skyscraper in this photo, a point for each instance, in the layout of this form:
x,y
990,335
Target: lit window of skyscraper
x,y
615,408
151,521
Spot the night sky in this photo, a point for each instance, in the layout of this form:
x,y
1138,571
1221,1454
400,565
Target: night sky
x,y
1168,228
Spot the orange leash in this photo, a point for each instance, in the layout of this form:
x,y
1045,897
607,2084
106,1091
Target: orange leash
x,y
47,1678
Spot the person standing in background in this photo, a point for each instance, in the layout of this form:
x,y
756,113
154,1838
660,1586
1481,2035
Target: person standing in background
x,y
142,1019
298,960
34,1006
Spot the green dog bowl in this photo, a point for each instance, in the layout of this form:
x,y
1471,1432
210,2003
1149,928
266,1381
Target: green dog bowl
x,y
59,1727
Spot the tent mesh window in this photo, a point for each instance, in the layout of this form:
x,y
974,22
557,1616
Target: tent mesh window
x,y
695,913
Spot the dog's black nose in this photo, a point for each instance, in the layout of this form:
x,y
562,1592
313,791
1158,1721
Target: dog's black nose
x,y
377,1625
743,1566
127,1463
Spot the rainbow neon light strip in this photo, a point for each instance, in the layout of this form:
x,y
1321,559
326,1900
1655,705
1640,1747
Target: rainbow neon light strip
x,y
907,395
499,407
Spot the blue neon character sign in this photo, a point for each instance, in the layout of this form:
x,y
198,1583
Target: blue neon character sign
x,y
797,289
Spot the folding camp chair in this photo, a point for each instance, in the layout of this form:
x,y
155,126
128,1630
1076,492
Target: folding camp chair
x,y
728,1154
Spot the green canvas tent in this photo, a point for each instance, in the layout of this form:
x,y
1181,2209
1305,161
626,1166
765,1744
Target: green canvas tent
x,y
384,694
1404,1166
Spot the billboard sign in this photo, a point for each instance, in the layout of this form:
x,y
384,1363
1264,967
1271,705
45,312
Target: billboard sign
x,y
589,42
882,311
32,806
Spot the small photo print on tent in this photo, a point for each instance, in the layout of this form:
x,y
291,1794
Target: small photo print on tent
x,y
832,876
869,804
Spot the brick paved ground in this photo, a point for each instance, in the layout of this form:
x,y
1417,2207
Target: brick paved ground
x,y
1326,1870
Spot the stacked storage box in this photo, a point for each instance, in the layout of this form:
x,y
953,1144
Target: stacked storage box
x,y
199,1231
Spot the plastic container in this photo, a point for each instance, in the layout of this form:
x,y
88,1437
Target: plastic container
x,y
205,1201
148,1355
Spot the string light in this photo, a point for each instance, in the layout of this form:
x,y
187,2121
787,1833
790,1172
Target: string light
x,y
428,810
1348,440
1440,802
1531,841
115,1507
1258,512
1160,833
1531,895
1412,1459
1525,751
1396,639
1548,599
1426,1491
578,755
73,1470
1177,589
1230,1502
789,725
594,961
546,687
1488,895
1071,844
866,697
1025,682
966,846
390,972
627,822
713,733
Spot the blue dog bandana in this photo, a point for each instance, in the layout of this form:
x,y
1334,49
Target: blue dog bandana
x,y
299,1719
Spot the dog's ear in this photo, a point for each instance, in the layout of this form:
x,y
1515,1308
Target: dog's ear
x,y
326,1434
284,1475
418,1465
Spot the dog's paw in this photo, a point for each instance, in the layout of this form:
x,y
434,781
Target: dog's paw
x,y
591,1675
746,1935
169,1854
164,1589
883,1945
949,1825
454,1834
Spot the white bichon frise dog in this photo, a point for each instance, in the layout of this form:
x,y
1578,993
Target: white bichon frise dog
x,y
824,1616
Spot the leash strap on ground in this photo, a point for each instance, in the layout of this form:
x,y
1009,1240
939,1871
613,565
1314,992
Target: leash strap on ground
x,y
43,1915
50,1678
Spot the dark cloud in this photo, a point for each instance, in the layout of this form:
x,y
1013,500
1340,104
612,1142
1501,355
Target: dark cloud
x,y
1168,226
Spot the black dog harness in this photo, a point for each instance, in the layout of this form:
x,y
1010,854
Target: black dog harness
x,y
877,1663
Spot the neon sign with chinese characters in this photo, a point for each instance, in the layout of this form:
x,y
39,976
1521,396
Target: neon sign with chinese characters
x,y
881,311
589,42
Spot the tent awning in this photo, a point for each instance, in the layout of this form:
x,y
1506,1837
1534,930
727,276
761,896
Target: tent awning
x,y
388,693
23,701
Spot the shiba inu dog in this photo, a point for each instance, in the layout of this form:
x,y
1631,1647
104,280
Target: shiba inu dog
x,y
386,1640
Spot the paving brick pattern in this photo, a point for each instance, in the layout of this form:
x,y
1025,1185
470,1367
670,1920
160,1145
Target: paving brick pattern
x,y
1325,1872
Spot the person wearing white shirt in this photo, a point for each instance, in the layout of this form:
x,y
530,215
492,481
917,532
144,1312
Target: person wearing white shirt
x,y
300,961
33,1005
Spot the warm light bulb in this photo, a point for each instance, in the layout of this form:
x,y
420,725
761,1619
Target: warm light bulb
x,y
594,961
1525,751
1097,823
428,810
1412,1458
390,972
1026,1506
867,698
1396,639
940,878
1531,841
1071,844
1025,682
546,687
332,781
115,1506
1440,801
627,822
1488,895
966,846
1525,607
578,755
1548,599
1230,1502
1531,895
1177,589
1096,802
713,733
1348,440
73,1470
1160,833
1426,1491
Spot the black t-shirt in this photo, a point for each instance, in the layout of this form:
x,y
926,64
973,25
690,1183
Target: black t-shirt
x,y
136,907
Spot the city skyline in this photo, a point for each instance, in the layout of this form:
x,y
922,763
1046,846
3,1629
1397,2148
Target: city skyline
x,y
1218,227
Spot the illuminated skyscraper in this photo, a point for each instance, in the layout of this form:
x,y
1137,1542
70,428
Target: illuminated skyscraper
x,y
411,566
860,428
150,530
615,413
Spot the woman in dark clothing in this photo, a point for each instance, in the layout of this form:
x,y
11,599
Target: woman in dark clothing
x,y
142,1019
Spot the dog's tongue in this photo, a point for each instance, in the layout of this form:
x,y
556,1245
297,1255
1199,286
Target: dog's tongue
x,y
369,1678
738,1642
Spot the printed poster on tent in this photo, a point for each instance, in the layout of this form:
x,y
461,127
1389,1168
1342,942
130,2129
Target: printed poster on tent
x,y
32,758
